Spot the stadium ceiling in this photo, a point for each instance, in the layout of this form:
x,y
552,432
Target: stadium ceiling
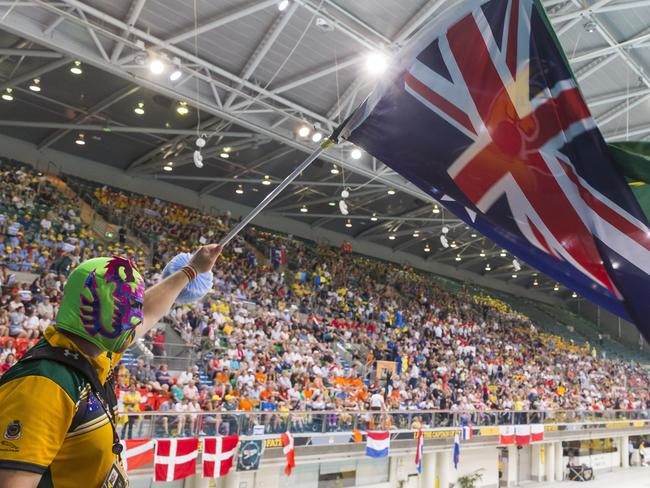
x,y
251,74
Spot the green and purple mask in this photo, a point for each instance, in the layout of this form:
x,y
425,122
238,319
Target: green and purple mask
x,y
103,302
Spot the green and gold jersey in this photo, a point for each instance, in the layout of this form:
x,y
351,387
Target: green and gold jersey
x,y
52,424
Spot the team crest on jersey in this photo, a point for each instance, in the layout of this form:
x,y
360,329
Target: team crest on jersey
x,y
14,430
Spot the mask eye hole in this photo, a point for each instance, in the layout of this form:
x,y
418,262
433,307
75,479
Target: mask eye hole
x,y
135,304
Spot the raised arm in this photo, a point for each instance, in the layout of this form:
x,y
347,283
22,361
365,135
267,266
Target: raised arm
x,y
159,299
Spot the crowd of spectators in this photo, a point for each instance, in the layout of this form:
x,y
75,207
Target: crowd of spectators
x,y
293,326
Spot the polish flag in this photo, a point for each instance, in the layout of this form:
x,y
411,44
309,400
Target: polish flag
x,y
506,434
218,454
522,435
289,452
175,459
537,432
137,453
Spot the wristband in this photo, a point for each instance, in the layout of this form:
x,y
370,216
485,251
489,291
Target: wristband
x,y
190,272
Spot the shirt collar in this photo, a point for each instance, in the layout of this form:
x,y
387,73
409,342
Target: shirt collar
x,y
102,363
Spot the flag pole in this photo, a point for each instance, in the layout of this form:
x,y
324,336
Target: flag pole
x,y
277,190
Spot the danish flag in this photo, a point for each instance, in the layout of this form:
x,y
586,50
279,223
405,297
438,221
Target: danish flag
x,y
218,453
484,115
137,453
175,459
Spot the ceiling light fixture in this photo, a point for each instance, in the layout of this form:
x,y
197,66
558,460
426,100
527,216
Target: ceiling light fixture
x,y
482,253
574,295
514,276
454,245
436,209
36,85
355,154
487,267
458,258
304,131
282,6
535,282
224,155
427,248
182,109
317,136
266,181
556,287
75,69
7,95
334,170
391,192
139,108
348,224
416,234
502,253
80,140
304,209
167,167
239,190
391,237
590,26
332,204
156,66
376,63
473,236
373,218
175,75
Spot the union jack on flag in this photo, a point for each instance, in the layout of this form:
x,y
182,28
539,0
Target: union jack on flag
x,y
482,112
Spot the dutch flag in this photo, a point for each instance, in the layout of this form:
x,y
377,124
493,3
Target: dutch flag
x,y
377,444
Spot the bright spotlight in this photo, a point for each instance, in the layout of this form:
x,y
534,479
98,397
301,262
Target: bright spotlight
x,y
373,218
266,181
81,139
156,66
7,96
391,237
139,108
355,154
283,5
348,224
304,131
239,190
182,109
317,136
304,209
334,170
376,63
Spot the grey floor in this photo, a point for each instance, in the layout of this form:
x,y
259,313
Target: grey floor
x,y
635,477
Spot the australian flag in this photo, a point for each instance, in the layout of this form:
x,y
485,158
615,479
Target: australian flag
x,y
481,111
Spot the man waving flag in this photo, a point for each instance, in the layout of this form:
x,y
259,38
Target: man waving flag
x,y
482,112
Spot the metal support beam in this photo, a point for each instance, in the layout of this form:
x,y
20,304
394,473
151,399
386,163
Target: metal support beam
x,y
108,128
421,16
34,53
221,19
35,73
132,17
598,8
318,201
102,105
262,50
255,181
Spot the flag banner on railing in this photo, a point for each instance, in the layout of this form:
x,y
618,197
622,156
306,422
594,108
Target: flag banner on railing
x,y
377,444
466,432
419,452
137,453
218,455
175,459
522,435
289,452
481,112
506,434
537,432
456,451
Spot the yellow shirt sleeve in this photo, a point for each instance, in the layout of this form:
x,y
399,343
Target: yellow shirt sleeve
x,y
35,415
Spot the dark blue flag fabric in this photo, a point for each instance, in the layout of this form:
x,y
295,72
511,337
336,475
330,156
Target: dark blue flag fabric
x,y
482,112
